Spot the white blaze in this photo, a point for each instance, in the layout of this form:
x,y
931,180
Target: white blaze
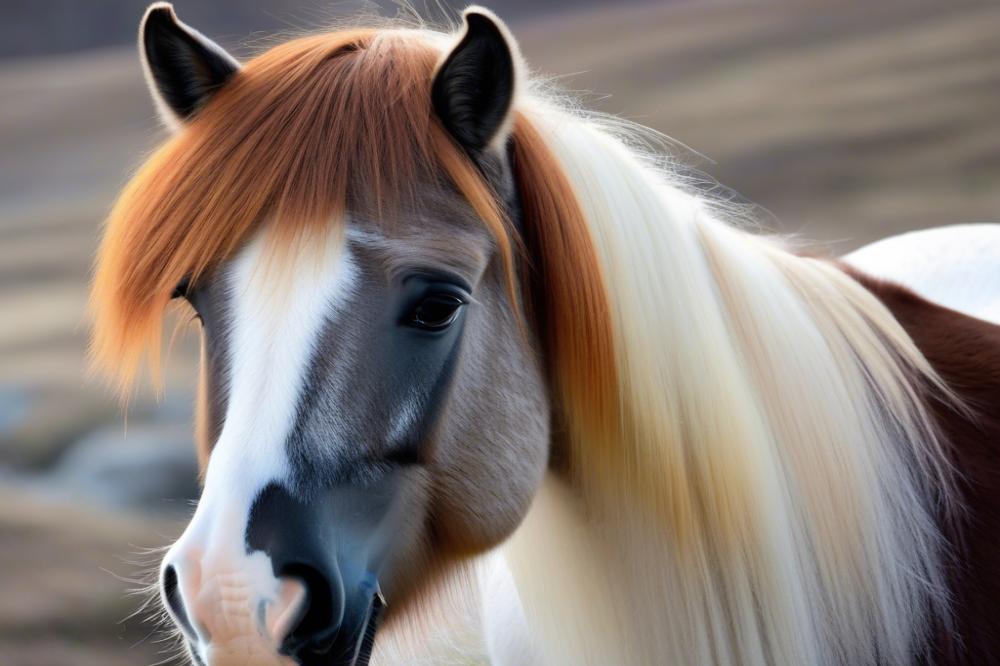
x,y
237,606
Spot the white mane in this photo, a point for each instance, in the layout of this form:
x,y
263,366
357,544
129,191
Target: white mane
x,y
780,504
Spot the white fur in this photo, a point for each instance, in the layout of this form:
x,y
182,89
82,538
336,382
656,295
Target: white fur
x,y
956,266
772,502
275,318
508,636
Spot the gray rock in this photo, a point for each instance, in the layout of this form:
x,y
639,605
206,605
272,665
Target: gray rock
x,y
14,404
146,467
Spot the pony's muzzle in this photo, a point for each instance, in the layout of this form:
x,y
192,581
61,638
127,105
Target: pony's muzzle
x,y
294,582
311,619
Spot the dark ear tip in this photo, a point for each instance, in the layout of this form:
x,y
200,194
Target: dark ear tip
x,y
485,27
479,19
160,7
159,13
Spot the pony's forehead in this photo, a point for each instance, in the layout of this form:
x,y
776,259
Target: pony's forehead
x,y
462,252
447,239
437,229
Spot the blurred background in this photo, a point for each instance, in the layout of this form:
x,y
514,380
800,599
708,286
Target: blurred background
x,y
847,121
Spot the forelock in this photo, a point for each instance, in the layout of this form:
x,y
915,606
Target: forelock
x,y
302,133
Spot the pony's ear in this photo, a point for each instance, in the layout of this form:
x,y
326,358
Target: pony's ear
x,y
475,83
183,67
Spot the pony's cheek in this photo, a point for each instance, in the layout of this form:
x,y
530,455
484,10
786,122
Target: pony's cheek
x,y
483,497
492,449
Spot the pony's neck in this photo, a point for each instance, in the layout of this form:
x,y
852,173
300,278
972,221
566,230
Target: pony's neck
x,y
768,496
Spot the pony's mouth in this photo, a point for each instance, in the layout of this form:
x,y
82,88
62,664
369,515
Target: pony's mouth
x,y
344,648
368,634
339,648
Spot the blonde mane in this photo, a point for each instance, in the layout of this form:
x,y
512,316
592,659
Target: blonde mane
x,y
751,476
770,490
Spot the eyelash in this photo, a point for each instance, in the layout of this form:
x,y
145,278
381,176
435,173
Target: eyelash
x,y
448,307
181,290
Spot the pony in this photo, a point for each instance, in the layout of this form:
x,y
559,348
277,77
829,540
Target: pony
x,y
483,378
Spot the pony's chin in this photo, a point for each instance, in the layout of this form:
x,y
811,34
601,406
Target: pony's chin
x,y
245,651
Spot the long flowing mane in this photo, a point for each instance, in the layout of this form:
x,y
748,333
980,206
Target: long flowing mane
x,y
745,427
774,478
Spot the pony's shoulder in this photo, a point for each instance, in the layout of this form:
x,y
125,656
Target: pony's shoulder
x,y
957,266
965,351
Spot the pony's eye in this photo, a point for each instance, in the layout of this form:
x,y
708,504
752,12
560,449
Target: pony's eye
x,y
181,290
436,312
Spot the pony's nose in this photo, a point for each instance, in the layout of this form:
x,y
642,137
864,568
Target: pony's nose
x,y
334,561
309,619
291,580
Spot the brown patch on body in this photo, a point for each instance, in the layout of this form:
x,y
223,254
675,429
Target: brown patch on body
x,y
965,351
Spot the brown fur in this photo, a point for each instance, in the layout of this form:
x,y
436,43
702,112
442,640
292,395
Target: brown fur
x,y
966,353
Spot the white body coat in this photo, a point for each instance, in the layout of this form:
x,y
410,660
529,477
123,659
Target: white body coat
x,y
956,266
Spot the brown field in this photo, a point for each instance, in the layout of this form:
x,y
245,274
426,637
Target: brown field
x,y
847,121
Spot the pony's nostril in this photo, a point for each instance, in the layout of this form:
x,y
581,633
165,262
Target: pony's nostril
x,y
283,614
321,612
172,598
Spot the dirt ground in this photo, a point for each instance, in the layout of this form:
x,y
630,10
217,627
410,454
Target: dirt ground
x,y
844,121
